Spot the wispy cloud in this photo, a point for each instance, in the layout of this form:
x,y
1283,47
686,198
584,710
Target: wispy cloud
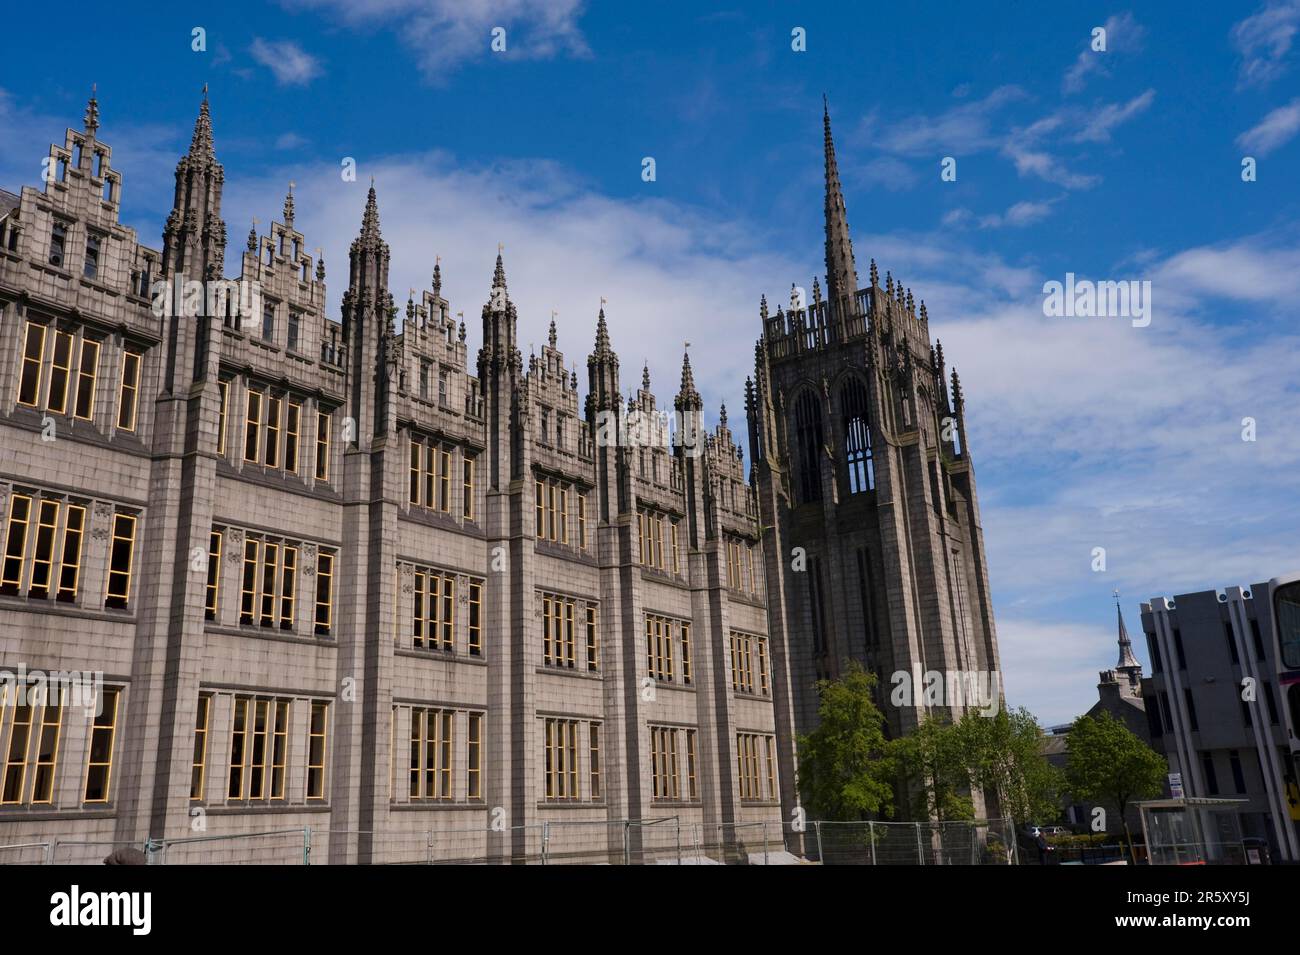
x,y
445,34
1123,35
291,65
1098,127
1264,41
1274,130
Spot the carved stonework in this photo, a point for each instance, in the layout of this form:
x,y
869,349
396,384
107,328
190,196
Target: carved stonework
x,y
408,579
309,559
103,517
234,545
462,589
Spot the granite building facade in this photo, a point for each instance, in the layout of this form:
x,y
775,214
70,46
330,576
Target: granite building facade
x,y
336,575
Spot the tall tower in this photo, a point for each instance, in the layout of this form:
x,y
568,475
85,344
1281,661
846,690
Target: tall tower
x,y
866,489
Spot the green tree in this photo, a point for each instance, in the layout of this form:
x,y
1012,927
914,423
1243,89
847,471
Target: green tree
x,y
1004,754
933,765
845,765
1108,764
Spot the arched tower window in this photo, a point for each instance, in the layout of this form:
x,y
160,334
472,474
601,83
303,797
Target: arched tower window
x,y
808,425
857,437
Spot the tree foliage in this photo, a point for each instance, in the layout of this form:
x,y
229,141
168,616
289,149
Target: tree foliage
x,y
1111,766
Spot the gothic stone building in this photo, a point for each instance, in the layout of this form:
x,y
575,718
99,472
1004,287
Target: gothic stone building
x,y
334,578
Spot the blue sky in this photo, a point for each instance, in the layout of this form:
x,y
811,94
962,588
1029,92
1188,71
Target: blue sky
x,y
1117,165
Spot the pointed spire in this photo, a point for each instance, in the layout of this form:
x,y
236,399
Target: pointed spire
x,y
841,273
875,274
320,266
957,400
645,376
722,415
499,275
92,112
288,208
252,237
437,276
370,218
762,310
687,395
551,337
603,349
201,143
1127,661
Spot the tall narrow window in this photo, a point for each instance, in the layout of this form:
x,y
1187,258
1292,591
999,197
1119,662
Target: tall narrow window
x,y
99,770
60,370
677,560
268,322
594,731
322,446
214,575
541,511
430,475
252,426
47,523
474,757
692,791
593,640
475,618
58,240
29,378
324,592
238,749
279,749
316,739
84,406
444,481
121,554
288,586
564,515
292,427
198,764
47,748
90,268
414,470
128,392
293,331
686,653
15,755
224,388
270,567
467,504
70,562
808,426
582,521
248,590
272,456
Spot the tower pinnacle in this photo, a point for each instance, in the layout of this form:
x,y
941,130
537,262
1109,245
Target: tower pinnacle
x,y
841,272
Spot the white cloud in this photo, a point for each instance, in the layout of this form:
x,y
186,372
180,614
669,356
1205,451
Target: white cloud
x,y
1098,126
1123,35
1274,130
445,34
1264,41
291,65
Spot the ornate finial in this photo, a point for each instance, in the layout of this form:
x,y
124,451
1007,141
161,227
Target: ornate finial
x,y
288,207
762,310
499,274
875,275
462,330
889,282
573,377
722,415
201,142
645,376
957,398
437,276
92,111
320,265
688,394
924,316
551,337
252,236
603,349
370,238
205,92
410,305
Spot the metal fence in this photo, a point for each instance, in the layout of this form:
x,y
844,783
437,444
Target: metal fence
x,y
666,840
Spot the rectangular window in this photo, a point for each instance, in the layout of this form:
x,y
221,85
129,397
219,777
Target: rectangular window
x,y
58,237
253,423
582,521
279,749
322,446
29,378
692,790
564,515
90,268
60,370
84,406
293,331
467,504
444,481
272,458
324,592
316,739
20,737
248,592
541,511
238,749
594,733
428,474
47,522
770,744
664,767
593,640
293,425
224,388
258,751
288,586
551,530
121,554
199,762
475,618
431,754
474,757
130,387
11,577
268,322
47,749
762,665
415,473
447,617
686,653
70,563
560,763
270,583
99,768
677,556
